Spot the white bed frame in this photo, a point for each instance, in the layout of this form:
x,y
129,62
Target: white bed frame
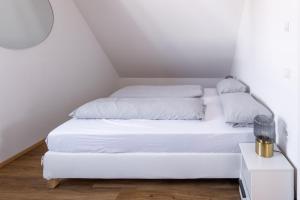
x,y
59,166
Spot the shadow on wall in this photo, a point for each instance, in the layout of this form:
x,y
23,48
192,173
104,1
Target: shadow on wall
x,y
172,46
183,41
282,134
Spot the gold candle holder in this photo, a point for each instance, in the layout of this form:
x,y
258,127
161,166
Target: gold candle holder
x,y
264,148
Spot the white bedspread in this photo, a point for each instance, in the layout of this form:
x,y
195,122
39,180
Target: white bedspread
x,y
212,135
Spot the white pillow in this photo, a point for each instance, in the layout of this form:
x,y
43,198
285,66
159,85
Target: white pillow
x,y
148,91
231,85
142,108
240,109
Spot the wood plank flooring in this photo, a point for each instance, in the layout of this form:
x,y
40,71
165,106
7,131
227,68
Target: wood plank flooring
x,y
22,179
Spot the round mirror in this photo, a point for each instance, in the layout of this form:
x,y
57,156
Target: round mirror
x,y
24,23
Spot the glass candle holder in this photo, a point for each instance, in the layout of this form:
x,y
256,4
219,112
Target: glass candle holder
x,y
264,131
264,128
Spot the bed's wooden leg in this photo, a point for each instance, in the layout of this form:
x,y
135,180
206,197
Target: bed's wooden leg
x,y
53,183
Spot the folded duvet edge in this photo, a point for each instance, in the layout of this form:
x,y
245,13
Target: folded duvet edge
x,y
142,108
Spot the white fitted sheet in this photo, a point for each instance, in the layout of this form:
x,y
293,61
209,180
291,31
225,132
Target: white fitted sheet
x,y
212,135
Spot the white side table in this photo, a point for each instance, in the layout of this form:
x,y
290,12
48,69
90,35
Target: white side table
x,y
265,178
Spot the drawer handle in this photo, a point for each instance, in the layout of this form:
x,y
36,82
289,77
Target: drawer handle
x,y
242,189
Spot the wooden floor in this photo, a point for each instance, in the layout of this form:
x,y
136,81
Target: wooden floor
x,y
22,179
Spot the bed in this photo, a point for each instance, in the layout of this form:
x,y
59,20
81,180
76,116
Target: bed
x,y
147,149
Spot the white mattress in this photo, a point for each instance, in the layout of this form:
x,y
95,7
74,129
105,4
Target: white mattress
x,y
212,135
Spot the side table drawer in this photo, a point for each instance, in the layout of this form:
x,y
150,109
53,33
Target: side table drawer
x,y
243,190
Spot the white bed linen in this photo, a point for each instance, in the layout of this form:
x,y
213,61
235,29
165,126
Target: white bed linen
x,y
212,135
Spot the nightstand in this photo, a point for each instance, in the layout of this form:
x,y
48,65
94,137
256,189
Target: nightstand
x,y
265,178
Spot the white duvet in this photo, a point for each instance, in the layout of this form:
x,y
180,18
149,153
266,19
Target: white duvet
x,y
142,108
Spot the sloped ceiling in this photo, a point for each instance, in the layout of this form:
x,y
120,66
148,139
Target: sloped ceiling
x,y
166,38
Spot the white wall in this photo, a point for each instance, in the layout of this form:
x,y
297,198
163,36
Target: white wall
x,y
41,85
205,82
169,38
267,58
298,197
